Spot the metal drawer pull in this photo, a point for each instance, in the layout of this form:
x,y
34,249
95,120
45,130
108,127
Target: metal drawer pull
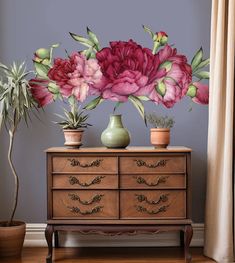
x,y
155,165
74,162
97,180
162,198
151,212
94,199
141,180
77,210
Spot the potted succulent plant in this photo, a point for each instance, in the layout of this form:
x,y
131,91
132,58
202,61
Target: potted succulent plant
x,y
73,124
15,103
160,134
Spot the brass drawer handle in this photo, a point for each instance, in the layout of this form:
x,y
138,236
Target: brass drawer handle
x,y
77,210
94,199
162,198
155,165
74,162
152,212
141,180
97,180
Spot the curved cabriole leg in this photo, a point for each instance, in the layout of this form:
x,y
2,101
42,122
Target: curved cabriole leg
x,y
48,235
188,233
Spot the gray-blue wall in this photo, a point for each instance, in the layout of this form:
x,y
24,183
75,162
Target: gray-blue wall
x,y
26,25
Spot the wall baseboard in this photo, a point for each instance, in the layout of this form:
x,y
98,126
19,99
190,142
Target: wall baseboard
x,y
35,238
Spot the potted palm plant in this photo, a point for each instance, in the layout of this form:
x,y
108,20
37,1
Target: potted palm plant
x,y
73,124
160,134
15,103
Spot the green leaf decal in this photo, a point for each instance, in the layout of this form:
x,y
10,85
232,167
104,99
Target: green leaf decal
x,y
84,41
192,91
144,98
139,106
197,59
93,39
148,30
94,103
203,75
41,69
203,64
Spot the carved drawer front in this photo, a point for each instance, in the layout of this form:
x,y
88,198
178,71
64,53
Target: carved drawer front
x,y
155,164
85,204
85,181
153,204
153,181
84,164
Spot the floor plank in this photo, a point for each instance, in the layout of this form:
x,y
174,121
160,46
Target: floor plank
x,y
109,255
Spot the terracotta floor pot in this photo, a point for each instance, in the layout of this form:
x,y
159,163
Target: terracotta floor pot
x,y
160,137
73,138
11,239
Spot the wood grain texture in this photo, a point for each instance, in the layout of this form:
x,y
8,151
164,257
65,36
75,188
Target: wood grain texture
x,y
153,181
138,149
152,204
111,255
85,181
63,204
84,164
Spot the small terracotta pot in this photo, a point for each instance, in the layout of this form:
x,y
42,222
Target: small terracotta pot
x,y
11,239
73,138
160,137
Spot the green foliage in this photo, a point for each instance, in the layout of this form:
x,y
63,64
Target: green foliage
x,y
160,121
75,118
94,103
198,63
139,106
15,97
91,42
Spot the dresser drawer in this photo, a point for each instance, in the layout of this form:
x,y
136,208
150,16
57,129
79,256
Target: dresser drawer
x,y
157,204
85,204
84,164
85,181
152,181
153,164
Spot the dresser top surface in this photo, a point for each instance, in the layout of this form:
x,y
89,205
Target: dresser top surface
x,y
176,149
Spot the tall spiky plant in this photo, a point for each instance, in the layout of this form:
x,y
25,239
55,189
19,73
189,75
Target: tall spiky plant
x,y
16,101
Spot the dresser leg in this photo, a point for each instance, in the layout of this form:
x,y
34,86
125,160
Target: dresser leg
x,y
188,233
48,234
56,239
182,238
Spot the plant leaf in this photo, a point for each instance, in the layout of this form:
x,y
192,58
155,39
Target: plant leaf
x,y
144,98
41,69
203,64
148,30
94,103
197,59
84,41
203,75
139,106
93,38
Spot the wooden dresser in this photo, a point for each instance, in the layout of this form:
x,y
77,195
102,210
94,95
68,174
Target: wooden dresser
x,y
116,191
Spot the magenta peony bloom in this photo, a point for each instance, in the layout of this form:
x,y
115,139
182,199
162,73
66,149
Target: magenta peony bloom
x,y
128,69
202,93
75,75
171,87
40,92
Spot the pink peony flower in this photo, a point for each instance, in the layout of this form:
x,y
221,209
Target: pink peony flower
x,y
40,92
75,75
171,87
127,70
202,93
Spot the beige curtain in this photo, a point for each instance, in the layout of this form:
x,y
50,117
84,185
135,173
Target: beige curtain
x,y
219,201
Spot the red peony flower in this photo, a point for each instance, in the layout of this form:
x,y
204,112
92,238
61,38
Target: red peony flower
x,y
40,91
75,75
174,84
127,70
202,93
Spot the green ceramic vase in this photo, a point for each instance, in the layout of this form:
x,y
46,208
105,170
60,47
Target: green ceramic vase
x,y
115,135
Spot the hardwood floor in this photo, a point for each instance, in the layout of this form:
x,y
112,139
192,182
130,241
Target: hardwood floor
x,y
109,255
